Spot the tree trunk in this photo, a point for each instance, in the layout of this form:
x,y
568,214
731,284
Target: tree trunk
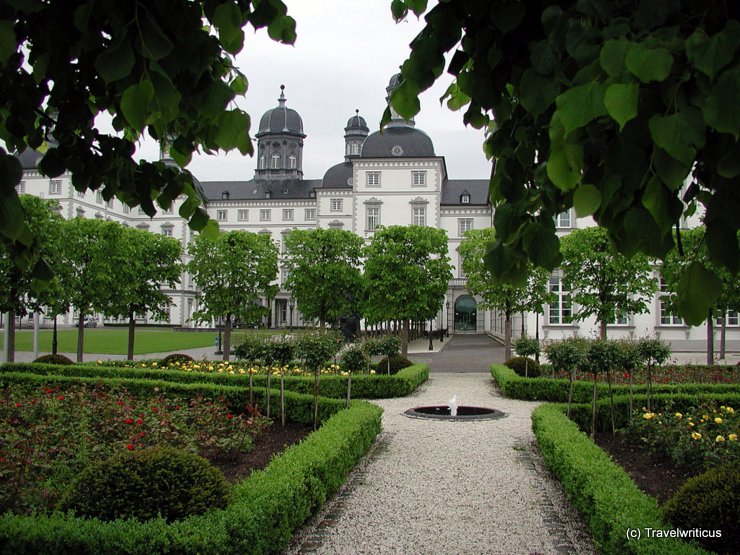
x,y
54,337
602,329
710,339
316,398
405,338
226,348
611,402
131,334
80,335
10,327
723,335
507,337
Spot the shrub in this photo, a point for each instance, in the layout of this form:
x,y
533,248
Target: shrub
x,y
527,346
178,358
54,359
524,366
355,359
709,501
397,362
148,483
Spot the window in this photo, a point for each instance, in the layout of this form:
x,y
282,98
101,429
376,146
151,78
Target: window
x,y
55,187
167,231
81,194
622,319
221,215
287,214
21,187
169,210
419,215
419,179
265,215
373,179
373,218
283,275
261,165
460,268
354,148
291,161
667,317
99,197
275,161
559,311
465,198
310,214
243,215
335,205
463,225
126,209
109,204
563,220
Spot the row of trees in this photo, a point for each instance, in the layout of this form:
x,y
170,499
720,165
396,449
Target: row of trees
x,y
98,267
603,283
406,274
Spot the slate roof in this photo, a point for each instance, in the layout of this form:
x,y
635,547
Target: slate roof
x,y
29,158
413,142
452,190
337,176
257,189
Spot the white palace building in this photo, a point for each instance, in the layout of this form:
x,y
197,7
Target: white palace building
x,y
389,178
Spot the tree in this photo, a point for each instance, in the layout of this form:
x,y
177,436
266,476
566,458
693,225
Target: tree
x,y
153,261
607,107
324,272
18,297
233,271
165,69
407,272
677,271
508,298
604,283
91,263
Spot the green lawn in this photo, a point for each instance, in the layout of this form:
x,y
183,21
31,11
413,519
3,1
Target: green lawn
x,y
114,341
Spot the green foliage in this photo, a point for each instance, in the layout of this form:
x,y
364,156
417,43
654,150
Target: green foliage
x,y
53,359
250,350
524,366
604,283
393,364
324,272
315,349
527,346
709,502
179,358
653,351
566,355
600,356
166,70
146,484
605,106
600,489
355,359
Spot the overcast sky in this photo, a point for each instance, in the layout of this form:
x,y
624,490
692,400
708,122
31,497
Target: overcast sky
x,y
345,54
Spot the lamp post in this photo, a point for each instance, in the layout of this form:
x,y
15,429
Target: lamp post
x,y
291,305
447,305
219,351
431,347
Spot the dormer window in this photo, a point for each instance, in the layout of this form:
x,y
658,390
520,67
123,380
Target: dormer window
x,y
312,194
465,198
225,195
268,194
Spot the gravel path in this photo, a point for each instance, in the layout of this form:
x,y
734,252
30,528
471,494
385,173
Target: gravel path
x,y
449,487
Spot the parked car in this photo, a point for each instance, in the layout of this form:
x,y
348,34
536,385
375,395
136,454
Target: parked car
x,y
90,322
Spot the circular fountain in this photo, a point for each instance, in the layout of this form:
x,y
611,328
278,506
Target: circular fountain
x,y
462,413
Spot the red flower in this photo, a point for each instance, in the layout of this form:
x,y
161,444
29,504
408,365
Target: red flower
x,y
626,375
129,421
229,416
60,398
177,407
47,390
155,409
130,447
142,434
18,405
119,402
139,421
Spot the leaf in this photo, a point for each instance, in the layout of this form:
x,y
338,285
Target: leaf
x,y
114,64
154,45
12,216
657,199
239,84
231,126
8,43
565,165
135,104
210,230
282,29
721,109
649,64
698,290
586,200
679,134
722,244
228,21
620,101
542,245
579,105
166,98
536,92
710,55
671,171
405,99
52,164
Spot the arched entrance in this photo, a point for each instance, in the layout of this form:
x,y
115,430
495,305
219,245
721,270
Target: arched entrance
x,y
466,314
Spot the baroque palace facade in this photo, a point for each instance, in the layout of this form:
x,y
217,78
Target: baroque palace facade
x,y
389,178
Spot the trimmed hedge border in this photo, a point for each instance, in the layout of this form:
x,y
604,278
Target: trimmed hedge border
x,y
364,386
268,506
603,492
556,390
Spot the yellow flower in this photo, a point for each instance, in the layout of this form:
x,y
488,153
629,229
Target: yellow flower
x,y
648,415
732,437
154,364
718,420
720,439
730,410
691,424
372,371
679,416
705,417
345,373
696,435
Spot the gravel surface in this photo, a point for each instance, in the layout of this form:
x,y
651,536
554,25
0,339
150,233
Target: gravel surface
x,y
431,486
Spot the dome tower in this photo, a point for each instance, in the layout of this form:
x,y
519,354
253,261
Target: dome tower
x,y
280,143
354,135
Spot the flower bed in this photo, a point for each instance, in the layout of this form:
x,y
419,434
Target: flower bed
x,y
668,374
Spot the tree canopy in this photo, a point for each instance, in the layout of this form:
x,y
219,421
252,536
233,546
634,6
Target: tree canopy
x,y
608,107
165,69
324,273
605,284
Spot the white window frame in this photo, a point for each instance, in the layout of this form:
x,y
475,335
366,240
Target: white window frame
x,y
464,224
21,187
564,220
372,218
265,214
288,214
98,197
665,317
167,231
222,215
335,204
292,161
310,214
243,215
419,215
372,179
275,161
562,309
419,178
55,186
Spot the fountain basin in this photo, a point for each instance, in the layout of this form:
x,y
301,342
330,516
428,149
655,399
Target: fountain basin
x,y
464,413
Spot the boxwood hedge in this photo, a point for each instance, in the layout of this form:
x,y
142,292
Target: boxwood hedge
x,y
267,507
364,386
